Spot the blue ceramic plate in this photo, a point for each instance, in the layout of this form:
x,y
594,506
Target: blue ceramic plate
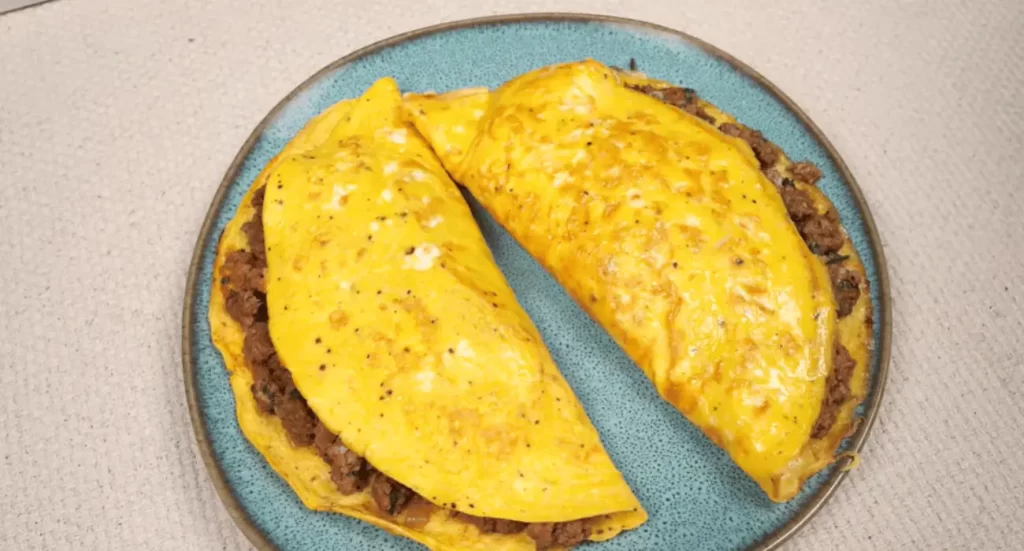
x,y
696,497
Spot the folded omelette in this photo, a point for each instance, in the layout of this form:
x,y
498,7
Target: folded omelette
x,y
380,361
709,257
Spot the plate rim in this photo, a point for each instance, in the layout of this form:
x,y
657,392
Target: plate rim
x,y
883,349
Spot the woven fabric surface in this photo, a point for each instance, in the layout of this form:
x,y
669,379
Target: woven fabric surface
x,y
118,119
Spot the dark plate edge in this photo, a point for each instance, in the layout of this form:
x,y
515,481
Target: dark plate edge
x,y
882,349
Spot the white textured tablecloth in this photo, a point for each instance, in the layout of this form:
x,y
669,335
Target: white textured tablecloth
x,y
119,117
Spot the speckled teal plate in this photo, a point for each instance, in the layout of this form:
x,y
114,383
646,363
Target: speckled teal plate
x,y
696,497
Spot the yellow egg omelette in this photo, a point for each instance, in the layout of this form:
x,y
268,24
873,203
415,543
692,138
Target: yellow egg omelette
x,y
379,360
708,256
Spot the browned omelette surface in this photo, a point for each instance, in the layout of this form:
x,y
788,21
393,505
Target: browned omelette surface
x,y
708,255
381,364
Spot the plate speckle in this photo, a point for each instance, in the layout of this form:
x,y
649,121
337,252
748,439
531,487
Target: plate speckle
x,y
696,497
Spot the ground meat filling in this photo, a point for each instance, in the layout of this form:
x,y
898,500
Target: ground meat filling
x,y
764,150
350,472
805,172
494,525
823,235
845,285
562,534
798,203
821,231
837,390
275,393
244,307
388,494
683,98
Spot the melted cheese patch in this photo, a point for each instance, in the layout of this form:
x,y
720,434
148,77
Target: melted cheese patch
x,y
422,257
